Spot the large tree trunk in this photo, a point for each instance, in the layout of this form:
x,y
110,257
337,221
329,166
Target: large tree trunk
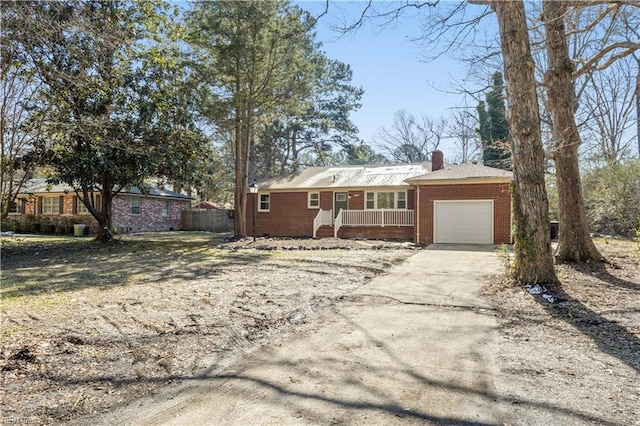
x,y
574,239
533,261
104,216
638,102
240,198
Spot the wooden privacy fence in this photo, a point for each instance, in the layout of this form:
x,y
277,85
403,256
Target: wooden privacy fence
x,y
207,220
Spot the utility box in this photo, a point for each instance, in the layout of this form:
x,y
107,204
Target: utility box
x,y
78,230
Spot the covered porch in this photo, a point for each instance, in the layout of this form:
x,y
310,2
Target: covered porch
x,y
370,218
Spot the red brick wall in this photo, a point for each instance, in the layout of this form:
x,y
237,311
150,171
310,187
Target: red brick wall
x,y
150,217
498,192
326,200
404,233
290,217
31,208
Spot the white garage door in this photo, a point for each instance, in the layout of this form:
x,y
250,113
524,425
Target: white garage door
x,y
463,222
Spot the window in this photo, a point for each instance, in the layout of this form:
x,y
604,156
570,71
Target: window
x,y
166,205
16,207
371,201
135,205
51,205
314,200
81,208
402,200
386,200
264,204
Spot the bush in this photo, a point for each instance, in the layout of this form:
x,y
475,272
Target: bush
x,y
44,224
10,225
612,198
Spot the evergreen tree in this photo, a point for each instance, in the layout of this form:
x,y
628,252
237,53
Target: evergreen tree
x,y
251,56
110,87
493,128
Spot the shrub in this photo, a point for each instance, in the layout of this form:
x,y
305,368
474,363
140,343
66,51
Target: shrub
x,y
9,224
612,198
44,224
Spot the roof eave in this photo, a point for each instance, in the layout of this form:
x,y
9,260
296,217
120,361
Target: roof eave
x,y
468,180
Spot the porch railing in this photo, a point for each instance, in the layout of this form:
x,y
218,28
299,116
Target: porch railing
x,y
373,218
324,217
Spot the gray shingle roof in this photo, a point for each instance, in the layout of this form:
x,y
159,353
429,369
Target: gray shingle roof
x,y
379,176
348,176
40,186
462,171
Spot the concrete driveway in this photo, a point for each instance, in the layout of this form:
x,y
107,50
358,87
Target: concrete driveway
x,y
414,345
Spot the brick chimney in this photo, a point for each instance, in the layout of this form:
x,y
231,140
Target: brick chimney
x,y
437,161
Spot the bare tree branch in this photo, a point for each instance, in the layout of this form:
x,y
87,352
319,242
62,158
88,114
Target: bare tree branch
x,y
591,64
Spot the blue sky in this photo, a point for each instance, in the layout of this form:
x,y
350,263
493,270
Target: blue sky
x,y
387,65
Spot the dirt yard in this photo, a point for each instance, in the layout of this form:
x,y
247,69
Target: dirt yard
x,y
581,353
87,328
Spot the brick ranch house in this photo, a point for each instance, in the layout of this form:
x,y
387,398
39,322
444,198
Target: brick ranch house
x,y
132,210
423,202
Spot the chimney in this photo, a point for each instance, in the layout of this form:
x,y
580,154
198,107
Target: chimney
x,y
437,161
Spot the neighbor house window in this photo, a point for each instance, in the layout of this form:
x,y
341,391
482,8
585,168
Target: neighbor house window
x,y
264,203
16,206
166,204
51,205
386,200
81,208
135,205
314,200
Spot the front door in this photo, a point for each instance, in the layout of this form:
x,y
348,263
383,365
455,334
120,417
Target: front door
x,y
339,202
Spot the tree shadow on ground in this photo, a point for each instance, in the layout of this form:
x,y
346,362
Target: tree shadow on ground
x,y
295,395
600,271
611,338
74,266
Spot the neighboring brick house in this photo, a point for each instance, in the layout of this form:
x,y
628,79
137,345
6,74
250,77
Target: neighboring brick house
x,y
422,202
132,210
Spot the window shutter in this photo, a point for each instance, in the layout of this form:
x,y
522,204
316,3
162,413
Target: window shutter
x,y
75,204
23,206
40,203
61,206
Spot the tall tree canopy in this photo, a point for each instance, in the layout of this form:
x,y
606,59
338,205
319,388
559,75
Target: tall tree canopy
x,y
112,80
266,84
22,107
308,133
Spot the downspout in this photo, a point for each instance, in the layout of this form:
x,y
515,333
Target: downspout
x,y
417,214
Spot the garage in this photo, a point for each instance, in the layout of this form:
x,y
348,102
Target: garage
x,y
463,221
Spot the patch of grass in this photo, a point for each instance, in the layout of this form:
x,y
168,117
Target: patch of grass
x,y
68,265
39,240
